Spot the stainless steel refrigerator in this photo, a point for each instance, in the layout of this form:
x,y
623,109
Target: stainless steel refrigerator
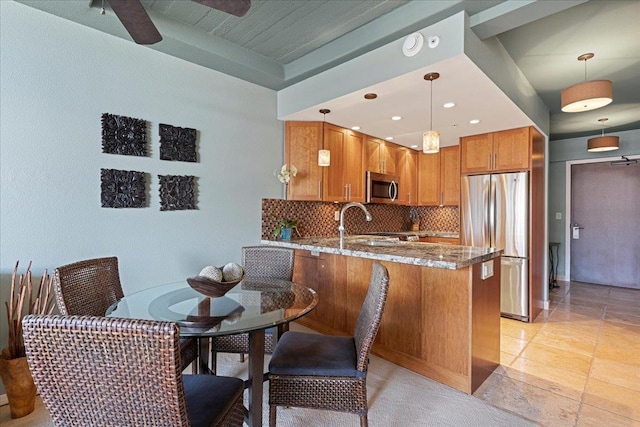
x,y
495,213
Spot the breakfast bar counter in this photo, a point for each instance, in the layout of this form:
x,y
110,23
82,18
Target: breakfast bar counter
x,y
442,317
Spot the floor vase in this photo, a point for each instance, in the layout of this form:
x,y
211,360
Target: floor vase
x,y
18,384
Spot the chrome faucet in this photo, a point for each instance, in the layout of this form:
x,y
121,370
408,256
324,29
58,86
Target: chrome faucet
x,y
344,208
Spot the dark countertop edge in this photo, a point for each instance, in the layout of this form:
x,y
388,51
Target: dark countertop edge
x,y
425,262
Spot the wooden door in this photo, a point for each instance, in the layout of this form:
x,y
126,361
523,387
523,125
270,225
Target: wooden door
x,y
353,172
334,189
389,158
372,154
302,142
408,168
512,150
476,153
429,179
450,175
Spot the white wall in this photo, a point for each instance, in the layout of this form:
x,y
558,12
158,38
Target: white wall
x,y
57,78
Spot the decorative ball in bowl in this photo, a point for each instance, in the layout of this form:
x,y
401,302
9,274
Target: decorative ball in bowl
x,y
216,281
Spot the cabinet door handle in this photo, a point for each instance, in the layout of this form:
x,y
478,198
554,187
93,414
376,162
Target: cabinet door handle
x,y
495,160
489,163
320,189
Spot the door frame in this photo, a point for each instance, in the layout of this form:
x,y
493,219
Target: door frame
x,y
567,236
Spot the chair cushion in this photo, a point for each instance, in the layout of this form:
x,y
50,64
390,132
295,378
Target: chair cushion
x,y
210,397
299,353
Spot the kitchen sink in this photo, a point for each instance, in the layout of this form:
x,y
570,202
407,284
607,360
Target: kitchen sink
x,y
390,242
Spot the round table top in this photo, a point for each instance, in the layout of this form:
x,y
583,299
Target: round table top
x,y
254,303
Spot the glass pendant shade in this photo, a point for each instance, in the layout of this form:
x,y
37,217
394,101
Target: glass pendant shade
x,y
324,158
587,96
603,143
431,142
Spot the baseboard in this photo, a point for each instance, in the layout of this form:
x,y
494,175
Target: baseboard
x,y
3,400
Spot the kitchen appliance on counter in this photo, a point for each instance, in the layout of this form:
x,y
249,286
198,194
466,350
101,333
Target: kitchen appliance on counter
x,y
495,214
381,188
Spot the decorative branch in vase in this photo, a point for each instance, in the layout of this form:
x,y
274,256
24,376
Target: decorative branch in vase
x,y
24,299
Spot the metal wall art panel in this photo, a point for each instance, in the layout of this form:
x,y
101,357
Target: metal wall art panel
x,y
123,189
124,135
177,143
177,192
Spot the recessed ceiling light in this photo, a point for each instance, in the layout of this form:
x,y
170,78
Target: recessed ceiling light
x,y
389,138
474,121
449,105
370,96
396,118
414,146
355,128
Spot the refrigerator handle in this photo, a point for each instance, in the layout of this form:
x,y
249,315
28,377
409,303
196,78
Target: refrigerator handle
x,y
492,212
487,221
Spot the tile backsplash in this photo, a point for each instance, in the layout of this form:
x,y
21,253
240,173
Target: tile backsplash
x,y
317,218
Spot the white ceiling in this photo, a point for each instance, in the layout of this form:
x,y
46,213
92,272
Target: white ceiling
x,y
279,43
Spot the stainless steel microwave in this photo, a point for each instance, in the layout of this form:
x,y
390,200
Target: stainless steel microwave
x,y
382,188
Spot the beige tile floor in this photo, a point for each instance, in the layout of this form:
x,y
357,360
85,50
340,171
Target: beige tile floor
x,y
577,364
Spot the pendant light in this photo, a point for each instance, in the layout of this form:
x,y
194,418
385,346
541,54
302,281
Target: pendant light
x,y
324,156
603,143
431,138
587,95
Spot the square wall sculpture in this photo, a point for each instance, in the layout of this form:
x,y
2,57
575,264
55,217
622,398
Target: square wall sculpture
x,y
124,135
177,143
123,189
177,192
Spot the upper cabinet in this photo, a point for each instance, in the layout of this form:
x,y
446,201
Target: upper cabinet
x,y
407,162
439,178
302,142
343,180
381,156
503,151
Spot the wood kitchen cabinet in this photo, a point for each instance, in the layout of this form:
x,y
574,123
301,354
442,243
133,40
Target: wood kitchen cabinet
x,y
408,171
381,156
302,142
504,151
439,178
344,179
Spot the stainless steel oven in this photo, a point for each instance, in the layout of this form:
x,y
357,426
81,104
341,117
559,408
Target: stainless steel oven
x,y
382,188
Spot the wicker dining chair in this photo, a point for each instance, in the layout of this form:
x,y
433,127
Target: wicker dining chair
x,y
89,287
258,261
328,372
102,371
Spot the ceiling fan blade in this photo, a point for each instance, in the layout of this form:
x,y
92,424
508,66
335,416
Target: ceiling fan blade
x,y
233,7
136,21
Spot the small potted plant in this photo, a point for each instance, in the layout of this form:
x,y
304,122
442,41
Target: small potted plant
x,y
285,228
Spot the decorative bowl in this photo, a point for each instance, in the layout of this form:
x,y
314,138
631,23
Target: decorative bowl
x,y
210,287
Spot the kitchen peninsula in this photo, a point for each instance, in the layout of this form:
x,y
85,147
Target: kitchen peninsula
x,y
442,317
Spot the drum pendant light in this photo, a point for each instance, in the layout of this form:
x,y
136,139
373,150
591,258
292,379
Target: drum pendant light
x,y
431,138
587,95
603,143
324,156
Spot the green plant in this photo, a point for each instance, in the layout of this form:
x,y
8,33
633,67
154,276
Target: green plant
x,y
286,223
26,299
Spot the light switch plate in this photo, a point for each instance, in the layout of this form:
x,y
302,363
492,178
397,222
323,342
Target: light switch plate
x,y
336,215
558,215
487,269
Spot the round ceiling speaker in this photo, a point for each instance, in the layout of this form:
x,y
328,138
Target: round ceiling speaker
x,y
412,44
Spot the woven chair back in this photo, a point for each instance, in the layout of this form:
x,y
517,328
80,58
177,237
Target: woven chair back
x,y
87,287
268,261
97,371
370,315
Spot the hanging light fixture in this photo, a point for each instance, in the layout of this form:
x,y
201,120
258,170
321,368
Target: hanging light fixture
x,y
603,143
587,95
431,138
324,156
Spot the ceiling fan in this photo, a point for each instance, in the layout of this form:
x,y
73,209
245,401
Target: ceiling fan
x,y
137,22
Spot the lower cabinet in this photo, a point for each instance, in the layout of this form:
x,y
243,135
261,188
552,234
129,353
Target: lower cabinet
x,y
444,324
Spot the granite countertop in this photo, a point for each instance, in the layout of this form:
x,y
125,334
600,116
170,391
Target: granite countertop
x,y
381,248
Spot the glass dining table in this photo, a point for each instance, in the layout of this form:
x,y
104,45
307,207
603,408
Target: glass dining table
x,y
253,305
